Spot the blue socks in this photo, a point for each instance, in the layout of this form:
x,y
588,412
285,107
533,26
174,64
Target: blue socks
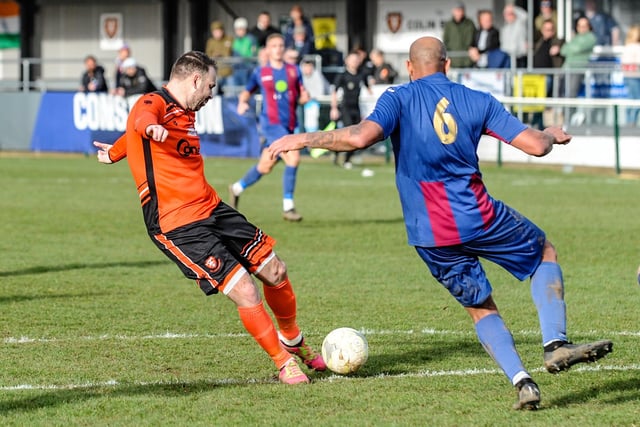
x,y
547,290
289,182
498,342
251,177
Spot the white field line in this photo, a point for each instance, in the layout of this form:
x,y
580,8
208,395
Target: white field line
x,y
330,379
237,381
367,332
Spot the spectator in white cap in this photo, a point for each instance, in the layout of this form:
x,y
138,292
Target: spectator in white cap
x,y
133,80
123,53
244,47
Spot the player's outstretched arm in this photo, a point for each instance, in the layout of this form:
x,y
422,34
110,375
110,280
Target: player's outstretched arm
x,y
108,153
350,138
540,143
103,152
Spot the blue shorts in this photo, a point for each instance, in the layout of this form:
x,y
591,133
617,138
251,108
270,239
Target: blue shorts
x,y
511,241
273,132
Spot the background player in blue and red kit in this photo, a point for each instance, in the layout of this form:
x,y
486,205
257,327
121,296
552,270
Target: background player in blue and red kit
x,y
281,87
435,126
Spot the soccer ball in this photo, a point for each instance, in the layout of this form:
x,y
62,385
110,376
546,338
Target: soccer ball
x,y
345,350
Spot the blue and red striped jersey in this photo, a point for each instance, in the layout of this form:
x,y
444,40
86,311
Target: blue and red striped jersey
x,y
280,89
435,126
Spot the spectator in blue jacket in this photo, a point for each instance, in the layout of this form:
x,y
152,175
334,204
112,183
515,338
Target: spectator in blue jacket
x,y
297,19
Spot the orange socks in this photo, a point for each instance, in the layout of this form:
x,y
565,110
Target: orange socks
x,y
282,302
258,323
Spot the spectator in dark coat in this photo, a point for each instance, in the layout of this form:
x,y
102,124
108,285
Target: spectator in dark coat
x,y
263,28
297,19
301,43
134,80
383,72
458,36
485,39
93,79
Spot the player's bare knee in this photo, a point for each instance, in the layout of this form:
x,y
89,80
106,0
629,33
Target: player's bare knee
x,y
264,169
280,270
275,272
549,253
245,293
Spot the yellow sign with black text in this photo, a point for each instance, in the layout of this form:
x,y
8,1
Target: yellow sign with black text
x,y
532,86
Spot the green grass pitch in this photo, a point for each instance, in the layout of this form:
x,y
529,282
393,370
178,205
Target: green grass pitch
x,y
98,328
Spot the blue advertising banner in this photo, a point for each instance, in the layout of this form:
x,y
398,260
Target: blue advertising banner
x,y
71,121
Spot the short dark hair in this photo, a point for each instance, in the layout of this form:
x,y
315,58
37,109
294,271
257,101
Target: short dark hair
x,y
192,62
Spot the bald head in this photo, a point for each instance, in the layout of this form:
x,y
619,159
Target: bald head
x,y
427,55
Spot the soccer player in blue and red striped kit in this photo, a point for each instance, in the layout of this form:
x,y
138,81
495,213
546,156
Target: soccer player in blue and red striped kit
x,y
280,85
435,126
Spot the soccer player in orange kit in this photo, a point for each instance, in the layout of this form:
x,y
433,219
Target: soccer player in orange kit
x,y
211,242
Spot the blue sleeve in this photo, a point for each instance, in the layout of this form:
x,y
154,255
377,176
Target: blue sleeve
x,y
254,81
299,72
386,113
500,123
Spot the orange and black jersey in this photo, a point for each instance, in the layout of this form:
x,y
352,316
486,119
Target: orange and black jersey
x,y
169,175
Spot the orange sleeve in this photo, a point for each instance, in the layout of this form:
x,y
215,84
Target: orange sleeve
x,y
151,114
119,149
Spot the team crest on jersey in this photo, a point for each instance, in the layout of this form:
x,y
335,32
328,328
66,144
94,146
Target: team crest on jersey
x,y
213,264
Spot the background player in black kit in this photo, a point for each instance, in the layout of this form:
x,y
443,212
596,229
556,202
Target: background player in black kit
x,y
349,82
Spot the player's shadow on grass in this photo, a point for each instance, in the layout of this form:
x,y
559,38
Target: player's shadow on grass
x,y
350,222
78,266
6,299
426,353
54,398
429,353
612,392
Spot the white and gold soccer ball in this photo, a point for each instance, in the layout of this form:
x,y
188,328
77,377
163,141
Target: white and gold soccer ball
x,y
345,350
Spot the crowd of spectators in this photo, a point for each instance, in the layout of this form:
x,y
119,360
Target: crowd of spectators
x,y
471,44
130,77
483,44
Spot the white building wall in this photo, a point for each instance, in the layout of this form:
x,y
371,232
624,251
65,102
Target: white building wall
x,y
69,32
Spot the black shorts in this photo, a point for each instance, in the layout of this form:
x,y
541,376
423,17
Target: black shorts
x,y
215,251
350,114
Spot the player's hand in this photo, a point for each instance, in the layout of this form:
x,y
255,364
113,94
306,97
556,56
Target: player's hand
x,y
334,114
103,152
561,137
243,107
282,145
157,133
